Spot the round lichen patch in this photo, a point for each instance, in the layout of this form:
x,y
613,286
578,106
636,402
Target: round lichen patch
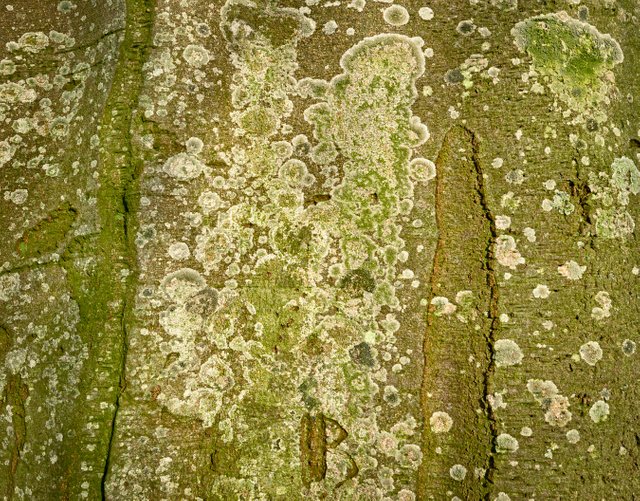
x,y
458,472
396,15
440,422
507,352
183,166
196,56
599,411
591,352
506,443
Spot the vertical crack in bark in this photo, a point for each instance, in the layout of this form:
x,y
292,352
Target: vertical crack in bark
x,y
313,448
15,395
494,320
319,436
120,171
463,259
581,194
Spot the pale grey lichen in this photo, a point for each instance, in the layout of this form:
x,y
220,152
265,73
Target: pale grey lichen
x,y
9,286
591,352
573,436
541,291
599,411
561,202
506,252
503,222
396,15
18,196
442,306
507,353
196,56
7,151
179,251
440,422
628,347
571,270
210,201
425,13
33,42
458,472
183,166
506,443
603,310
556,406
423,170
406,495
466,27
194,145
625,179
7,67
182,284
66,6
612,191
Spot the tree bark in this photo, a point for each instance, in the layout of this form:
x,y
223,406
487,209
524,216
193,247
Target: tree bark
x,y
265,249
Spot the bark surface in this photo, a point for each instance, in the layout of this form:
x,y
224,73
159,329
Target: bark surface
x,y
268,249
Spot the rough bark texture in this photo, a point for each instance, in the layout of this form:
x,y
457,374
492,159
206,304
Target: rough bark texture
x,y
346,250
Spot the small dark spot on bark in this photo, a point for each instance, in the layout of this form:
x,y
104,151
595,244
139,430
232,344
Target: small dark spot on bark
x,y
358,280
454,76
205,302
592,125
361,354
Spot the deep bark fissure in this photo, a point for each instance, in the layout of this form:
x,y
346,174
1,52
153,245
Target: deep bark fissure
x,y
494,320
123,170
468,157
91,43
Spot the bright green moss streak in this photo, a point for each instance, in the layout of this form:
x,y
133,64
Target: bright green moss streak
x,y
104,287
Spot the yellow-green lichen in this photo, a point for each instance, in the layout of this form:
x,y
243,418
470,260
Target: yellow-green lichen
x,y
575,58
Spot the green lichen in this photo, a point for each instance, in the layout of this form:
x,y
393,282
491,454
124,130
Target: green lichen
x,y
575,57
610,195
308,249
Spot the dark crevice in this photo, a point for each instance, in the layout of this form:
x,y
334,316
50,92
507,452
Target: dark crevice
x,y
581,194
494,320
457,140
319,436
121,171
91,43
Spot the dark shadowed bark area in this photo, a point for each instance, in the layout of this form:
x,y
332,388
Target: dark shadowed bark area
x,y
343,250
